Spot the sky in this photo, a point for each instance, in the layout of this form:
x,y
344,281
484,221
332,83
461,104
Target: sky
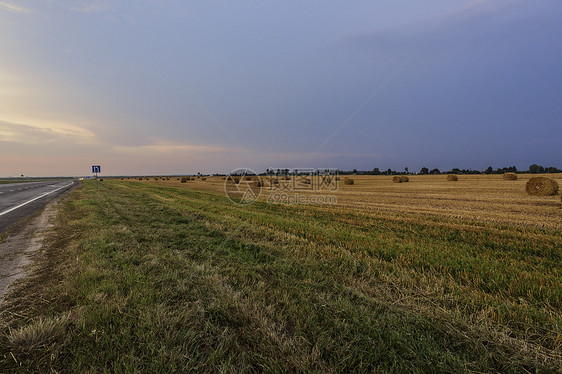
x,y
152,87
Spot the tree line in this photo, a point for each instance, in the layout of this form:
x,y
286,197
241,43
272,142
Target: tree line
x,y
533,169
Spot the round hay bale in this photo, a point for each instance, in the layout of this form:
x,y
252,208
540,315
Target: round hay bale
x,y
348,181
184,180
396,179
404,179
510,176
452,178
541,186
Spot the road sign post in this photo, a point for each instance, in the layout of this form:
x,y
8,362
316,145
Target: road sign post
x,y
96,169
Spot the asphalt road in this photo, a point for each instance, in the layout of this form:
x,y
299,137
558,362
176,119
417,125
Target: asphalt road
x,y
18,200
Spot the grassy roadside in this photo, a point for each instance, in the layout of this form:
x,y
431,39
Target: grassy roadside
x,y
139,278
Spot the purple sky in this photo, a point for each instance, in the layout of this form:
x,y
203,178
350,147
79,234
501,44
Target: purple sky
x,y
161,87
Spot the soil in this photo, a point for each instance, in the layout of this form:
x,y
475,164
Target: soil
x,y
17,249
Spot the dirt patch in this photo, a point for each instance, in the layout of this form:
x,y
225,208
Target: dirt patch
x,y
16,249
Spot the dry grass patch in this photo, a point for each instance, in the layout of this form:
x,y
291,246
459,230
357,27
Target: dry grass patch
x,y
38,333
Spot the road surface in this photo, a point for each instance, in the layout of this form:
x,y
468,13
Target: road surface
x,y
18,200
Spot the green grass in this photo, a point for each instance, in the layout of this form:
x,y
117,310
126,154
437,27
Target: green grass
x,y
144,278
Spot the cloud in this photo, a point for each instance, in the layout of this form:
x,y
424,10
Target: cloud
x,y
13,7
471,23
14,132
163,146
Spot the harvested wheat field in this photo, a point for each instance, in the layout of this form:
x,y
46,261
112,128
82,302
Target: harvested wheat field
x,y
473,198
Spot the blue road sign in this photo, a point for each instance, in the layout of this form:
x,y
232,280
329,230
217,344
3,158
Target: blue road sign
x,y
96,169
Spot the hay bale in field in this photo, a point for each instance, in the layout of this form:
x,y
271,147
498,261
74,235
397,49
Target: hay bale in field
x,y
396,179
404,179
510,176
541,186
452,178
184,180
348,181
203,178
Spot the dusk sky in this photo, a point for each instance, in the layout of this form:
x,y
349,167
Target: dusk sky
x,y
176,87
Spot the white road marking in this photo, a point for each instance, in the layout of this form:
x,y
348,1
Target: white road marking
x,y
32,200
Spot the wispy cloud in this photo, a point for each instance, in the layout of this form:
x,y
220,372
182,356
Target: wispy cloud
x,y
163,146
13,7
14,132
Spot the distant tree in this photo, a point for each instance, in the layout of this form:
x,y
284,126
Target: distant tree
x,y
376,171
456,170
406,169
489,170
552,169
534,169
435,171
354,171
389,171
424,170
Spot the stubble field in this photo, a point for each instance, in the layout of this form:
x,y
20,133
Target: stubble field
x,y
423,276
